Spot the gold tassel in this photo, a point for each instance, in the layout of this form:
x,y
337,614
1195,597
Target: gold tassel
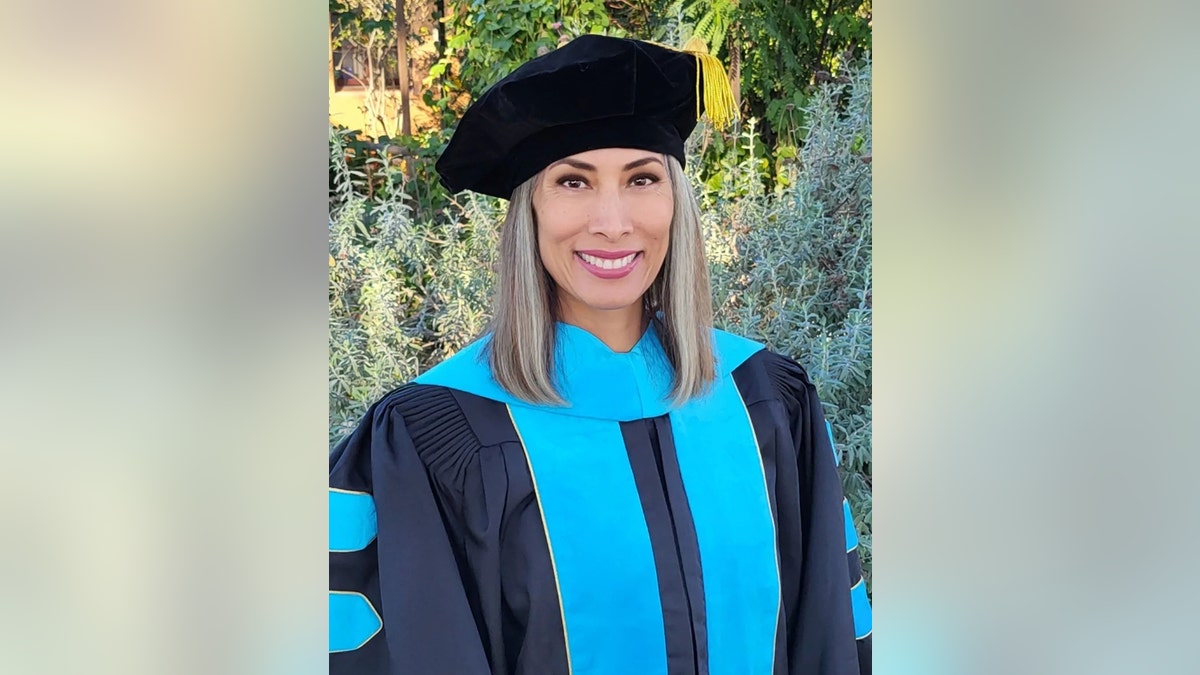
x,y
718,97
694,45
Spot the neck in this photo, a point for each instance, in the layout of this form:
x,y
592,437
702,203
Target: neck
x,y
619,329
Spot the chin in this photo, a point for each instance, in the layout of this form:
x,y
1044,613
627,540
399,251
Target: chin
x,y
598,297
611,304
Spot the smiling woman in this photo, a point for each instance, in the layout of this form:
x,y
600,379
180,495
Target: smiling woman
x,y
602,483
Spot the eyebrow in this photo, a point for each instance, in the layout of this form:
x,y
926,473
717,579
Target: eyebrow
x,y
584,166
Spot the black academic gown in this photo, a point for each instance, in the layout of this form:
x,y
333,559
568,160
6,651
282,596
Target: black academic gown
x,y
472,534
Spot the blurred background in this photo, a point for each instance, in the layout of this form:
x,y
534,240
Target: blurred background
x,y
165,344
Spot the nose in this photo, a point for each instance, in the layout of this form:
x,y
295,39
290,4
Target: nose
x,y
610,217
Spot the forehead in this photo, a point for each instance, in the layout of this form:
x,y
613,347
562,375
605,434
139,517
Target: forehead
x,y
618,157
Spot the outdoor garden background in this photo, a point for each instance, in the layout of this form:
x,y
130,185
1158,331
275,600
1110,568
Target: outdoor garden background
x,y
785,194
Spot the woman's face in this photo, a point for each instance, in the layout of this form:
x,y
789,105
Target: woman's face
x,y
603,225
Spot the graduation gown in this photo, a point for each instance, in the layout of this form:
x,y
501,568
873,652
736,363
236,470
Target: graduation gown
x,y
472,533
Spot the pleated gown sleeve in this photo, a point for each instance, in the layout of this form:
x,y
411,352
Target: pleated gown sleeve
x,y
398,603
827,613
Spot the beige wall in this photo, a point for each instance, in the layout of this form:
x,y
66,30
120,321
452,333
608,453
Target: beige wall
x,y
348,107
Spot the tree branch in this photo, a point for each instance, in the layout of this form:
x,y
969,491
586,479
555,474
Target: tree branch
x,y
824,34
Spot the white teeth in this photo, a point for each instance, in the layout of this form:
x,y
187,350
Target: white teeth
x,y
608,263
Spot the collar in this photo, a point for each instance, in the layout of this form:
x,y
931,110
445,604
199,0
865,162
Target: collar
x,y
595,381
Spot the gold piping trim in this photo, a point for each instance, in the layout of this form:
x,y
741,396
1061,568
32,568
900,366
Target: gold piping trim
x,y
852,549
373,611
373,537
549,547
350,492
861,580
771,514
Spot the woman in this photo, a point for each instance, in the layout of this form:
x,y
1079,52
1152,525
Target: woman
x,y
602,484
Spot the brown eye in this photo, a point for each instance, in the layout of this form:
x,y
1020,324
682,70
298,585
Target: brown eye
x,y
572,182
644,180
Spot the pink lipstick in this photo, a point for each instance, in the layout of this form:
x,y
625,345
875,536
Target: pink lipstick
x,y
608,264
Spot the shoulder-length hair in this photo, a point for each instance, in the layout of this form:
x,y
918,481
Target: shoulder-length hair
x,y
678,302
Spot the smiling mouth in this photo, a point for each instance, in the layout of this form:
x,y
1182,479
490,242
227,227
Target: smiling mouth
x,y
608,263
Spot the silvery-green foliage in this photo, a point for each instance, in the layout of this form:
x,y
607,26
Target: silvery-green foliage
x,y
459,293
793,270
403,293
